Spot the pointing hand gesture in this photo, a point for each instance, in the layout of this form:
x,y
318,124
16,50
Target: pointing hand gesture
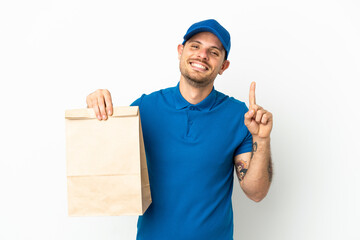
x,y
257,120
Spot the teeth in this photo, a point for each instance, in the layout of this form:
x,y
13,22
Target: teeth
x,y
198,65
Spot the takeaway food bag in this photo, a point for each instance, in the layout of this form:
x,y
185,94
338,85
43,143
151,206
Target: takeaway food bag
x,y
106,163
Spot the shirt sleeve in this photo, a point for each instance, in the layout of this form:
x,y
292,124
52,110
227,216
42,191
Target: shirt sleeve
x,y
138,101
246,143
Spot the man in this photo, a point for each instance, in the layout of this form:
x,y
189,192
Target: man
x,y
194,135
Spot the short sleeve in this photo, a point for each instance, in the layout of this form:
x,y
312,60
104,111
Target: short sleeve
x,y
246,144
138,101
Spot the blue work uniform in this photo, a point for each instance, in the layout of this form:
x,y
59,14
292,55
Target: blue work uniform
x,y
190,151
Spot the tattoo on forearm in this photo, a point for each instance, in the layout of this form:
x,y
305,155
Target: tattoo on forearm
x,y
241,169
254,149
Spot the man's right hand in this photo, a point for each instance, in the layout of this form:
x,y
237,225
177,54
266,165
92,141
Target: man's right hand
x,y
101,102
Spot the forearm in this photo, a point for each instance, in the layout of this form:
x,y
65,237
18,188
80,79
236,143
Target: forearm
x,y
256,182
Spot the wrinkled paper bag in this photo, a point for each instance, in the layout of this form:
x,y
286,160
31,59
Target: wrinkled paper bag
x,y
106,163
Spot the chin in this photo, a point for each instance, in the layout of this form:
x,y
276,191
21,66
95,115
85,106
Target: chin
x,y
198,83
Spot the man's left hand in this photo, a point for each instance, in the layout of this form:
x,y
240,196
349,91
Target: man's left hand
x,y
258,120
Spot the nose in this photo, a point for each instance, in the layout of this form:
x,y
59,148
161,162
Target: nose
x,y
203,54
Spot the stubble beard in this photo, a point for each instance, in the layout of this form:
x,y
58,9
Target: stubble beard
x,y
193,81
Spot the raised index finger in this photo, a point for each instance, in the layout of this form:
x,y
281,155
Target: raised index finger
x,y
252,100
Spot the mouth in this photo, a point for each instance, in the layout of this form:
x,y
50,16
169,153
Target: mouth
x,y
199,66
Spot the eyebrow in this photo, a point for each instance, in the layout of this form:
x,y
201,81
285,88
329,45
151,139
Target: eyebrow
x,y
196,41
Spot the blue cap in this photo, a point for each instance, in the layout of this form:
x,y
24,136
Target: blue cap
x,y
214,27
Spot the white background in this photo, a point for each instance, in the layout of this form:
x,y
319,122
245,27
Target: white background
x,y
304,56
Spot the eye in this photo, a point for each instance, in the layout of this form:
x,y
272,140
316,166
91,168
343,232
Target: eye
x,y
194,46
215,53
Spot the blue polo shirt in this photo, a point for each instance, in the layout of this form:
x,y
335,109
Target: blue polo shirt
x,y
190,150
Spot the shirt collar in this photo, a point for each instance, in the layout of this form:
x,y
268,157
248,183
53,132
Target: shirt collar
x,y
206,104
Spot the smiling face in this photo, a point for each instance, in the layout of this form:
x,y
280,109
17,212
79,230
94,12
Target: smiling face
x,y
202,58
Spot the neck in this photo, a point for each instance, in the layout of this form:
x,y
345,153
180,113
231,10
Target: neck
x,y
192,94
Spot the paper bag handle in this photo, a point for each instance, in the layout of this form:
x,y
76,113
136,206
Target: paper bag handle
x,y
90,113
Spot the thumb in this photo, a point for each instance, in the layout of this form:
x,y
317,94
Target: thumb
x,y
248,117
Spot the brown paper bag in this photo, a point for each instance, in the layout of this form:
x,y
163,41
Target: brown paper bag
x,y
106,163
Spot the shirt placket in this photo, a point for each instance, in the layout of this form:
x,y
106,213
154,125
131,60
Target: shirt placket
x,y
191,115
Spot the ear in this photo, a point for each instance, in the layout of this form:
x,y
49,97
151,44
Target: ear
x,y
180,49
224,66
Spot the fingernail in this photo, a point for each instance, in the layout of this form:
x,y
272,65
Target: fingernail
x,y
99,117
104,116
109,112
